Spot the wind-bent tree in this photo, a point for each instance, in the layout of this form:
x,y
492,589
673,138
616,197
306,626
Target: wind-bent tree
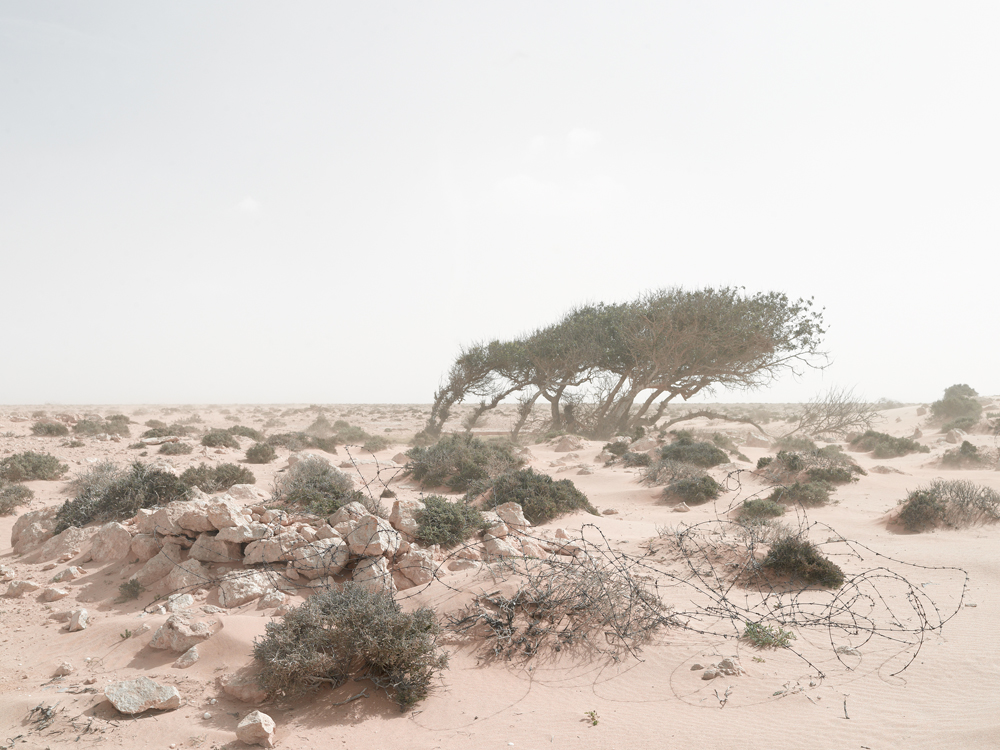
x,y
607,369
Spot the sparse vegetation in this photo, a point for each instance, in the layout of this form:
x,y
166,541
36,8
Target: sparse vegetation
x,y
952,502
30,466
217,438
693,490
541,497
217,478
827,464
882,445
315,485
759,508
106,493
261,453
248,432
116,424
637,459
808,494
966,456
163,430
445,522
176,449
49,429
687,450
767,636
799,558
457,461
354,632
130,590
13,496
959,401
297,441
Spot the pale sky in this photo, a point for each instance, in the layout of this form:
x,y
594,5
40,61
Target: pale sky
x,y
208,202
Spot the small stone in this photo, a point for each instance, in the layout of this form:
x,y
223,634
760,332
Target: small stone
x,y
64,669
142,694
70,574
681,508
78,620
256,728
206,715
188,658
695,667
709,674
17,588
609,512
52,594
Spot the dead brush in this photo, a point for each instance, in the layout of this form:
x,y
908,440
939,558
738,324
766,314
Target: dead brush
x,y
593,604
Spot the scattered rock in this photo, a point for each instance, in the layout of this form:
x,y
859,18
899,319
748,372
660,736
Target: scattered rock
x,y
609,512
142,694
64,669
7,573
144,546
188,658
373,573
256,729
176,634
682,508
271,599
568,443
111,542
243,686
404,516
53,594
643,444
513,515
19,588
709,674
239,587
955,437
417,566
497,548
178,602
70,574
209,548
78,620
32,529
324,557
373,537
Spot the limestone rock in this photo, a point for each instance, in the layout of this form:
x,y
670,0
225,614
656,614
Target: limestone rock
x,y
497,548
513,515
275,549
498,530
177,634
417,566
111,542
68,542
643,444
78,620
247,493
64,669
324,557
271,599
196,518
354,511
33,529
224,511
19,588
159,565
404,516
178,602
373,573
53,594
238,588
145,547
142,694
956,437
209,548
568,443
164,521
70,574
372,537
243,686
256,729
7,573
243,533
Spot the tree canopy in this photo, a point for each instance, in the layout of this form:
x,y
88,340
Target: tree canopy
x,y
609,368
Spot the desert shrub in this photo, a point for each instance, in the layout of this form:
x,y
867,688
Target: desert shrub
x,y
217,478
799,558
28,466
315,485
75,444
693,491
130,590
355,632
617,448
249,432
764,461
457,461
831,474
216,438
959,401
794,443
352,435
966,455
321,427
176,449
49,429
13,496
445,522
297,441
637,459
116,424
261,453
540,496
155,423
882,445
952,502
106,493
827,464
174,430
760,507
686,449
966,424
767,636
666,470
376,443
809,494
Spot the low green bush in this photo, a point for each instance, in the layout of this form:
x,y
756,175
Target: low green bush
x,y
767,636
827,464
130,590
764,461
353,632
217,438
49,429
959,401
760,507
693,491
315,485
174,430
965,456
445,522
176,449
687,450
801,559
116,424
105,493
617,448
952,502
966,424
297,441
796,443
13,496
261,453
29,466
217,478
637,459
457,461
808,494
376,443
541,497
882,445
249,432
666,471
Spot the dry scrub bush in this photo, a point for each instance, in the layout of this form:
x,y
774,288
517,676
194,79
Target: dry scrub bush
x,y
176,449
216,438
686,449
541,497
49,429
217,478
807,494
316,486
356,632
261,453
882,445
799,558
827,464
692,491
967,456
457,461
29,466
952,502
446,523
13,496
590,603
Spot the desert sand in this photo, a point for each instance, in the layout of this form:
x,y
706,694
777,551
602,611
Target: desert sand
x,y
924,677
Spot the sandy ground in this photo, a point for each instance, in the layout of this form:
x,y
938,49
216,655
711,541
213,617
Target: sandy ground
x,y
807,696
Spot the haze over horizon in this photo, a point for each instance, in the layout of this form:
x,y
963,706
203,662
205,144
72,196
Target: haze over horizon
x,y
321,203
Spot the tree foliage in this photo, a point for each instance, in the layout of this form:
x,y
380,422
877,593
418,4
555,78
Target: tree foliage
x,y
606,369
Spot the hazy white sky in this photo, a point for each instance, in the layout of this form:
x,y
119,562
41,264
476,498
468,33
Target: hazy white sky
x,y
321,202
